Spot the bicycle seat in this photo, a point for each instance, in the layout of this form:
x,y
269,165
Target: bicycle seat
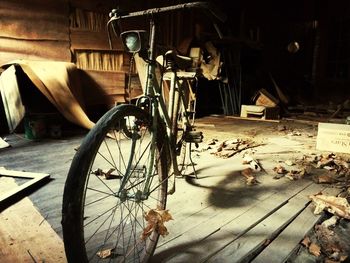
x,y
174,61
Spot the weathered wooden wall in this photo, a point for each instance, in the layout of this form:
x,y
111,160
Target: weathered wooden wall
x,y
34,30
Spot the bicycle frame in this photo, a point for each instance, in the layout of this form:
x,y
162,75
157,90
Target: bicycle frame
x,y
153,91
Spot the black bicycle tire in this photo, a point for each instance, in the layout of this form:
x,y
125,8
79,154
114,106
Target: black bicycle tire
x,y
180,159
72,217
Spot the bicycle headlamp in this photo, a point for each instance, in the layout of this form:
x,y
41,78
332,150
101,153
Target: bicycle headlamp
x,y
134,41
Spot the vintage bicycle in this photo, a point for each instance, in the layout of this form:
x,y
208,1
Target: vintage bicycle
x,y
114,201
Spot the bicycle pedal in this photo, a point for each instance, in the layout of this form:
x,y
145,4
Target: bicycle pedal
x,y
194,136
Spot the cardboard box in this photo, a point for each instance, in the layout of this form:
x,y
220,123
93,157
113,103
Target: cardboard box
x,y
333,137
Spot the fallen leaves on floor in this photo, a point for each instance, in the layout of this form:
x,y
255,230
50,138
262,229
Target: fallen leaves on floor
x,y
106,175
280,170
332,162
326,242
250,178
324,179
306,241
336,169
315,249
254,164
295,133
330,222
292,174
330,243
336,205
106,253
229,148
297,174
155,222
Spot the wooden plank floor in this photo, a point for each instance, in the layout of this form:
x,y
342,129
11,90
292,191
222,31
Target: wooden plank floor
x,y
217,217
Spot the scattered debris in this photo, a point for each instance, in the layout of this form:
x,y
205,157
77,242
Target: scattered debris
x,y
281,127
295,133
315,249
3,143
280,169
324,179
296,174
250,178
289,162
330,243
106,175
306,241
229,148
330,222
106,253
156,219
336,205
337,169
254,164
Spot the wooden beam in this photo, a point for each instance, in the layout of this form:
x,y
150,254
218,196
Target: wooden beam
x,y
35,178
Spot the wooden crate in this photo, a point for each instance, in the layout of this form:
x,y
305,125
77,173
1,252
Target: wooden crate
x,y
266,99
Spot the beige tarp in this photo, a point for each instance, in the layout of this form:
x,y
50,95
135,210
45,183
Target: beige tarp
x,y
60,83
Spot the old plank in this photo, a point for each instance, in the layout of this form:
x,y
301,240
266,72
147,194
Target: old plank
x,y
245,247
291,235
25,236
35,179
218,226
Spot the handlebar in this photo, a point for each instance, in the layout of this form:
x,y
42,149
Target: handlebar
x,y
116,15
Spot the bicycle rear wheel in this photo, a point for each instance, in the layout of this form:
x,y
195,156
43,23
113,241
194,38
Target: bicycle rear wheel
x,y
97,218
180,125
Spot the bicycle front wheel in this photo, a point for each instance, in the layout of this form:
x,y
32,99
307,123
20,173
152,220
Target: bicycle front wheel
x,y
118,175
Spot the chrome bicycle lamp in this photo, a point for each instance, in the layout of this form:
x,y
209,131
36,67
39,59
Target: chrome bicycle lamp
x,y
134,41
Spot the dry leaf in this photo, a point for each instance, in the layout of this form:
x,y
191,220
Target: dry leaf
x,y
324,162
295,174
330,222
248,174
254,164
106,253
342,163
279,169
335,205
315,249
325,179
106,175
330,242
306,241
155,222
